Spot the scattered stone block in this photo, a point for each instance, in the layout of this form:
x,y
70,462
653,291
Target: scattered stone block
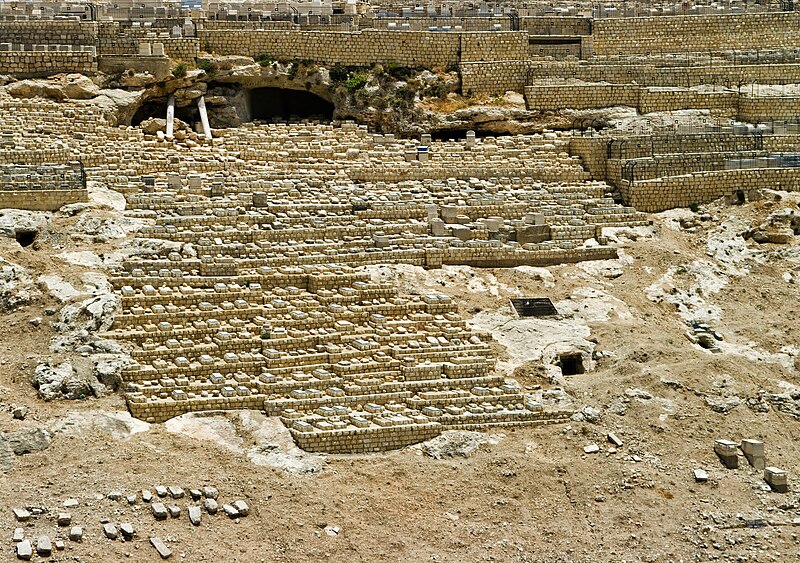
x,y
159,511
776,479
161,548
614,439
175,492
230,511
147,496
700,475
174,511
110,531
114,495
64,519
19,535
194,515
211,506
210,492
196,494
727,452
127,530
60,545
241,507
70,503
754,453
591,449
76,533
19,413
161,491
22,514
43,546
131,499
24,550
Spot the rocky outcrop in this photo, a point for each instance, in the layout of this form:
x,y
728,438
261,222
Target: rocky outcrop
x,y
69,87
17,288
63,381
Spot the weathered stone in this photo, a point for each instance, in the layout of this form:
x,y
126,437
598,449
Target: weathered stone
x,y
64,519
159,510
194,515
24,550
43,546
110,531
160,547
21,514
211,506
127,530
76,533
175,492
241,507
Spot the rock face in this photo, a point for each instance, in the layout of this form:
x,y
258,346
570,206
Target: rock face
x,y
15,220
16,287
93,314
21,442
63,382
455,443
71,87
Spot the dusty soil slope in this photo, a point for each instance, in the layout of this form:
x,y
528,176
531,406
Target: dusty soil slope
x,y
533,494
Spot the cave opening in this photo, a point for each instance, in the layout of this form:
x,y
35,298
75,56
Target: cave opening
x,y
283,105
158,109
25,237
571,364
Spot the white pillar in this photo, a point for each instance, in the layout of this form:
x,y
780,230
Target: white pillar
x,y
170,115
201,105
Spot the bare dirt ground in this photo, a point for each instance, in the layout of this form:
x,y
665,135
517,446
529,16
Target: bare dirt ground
x,y
534,495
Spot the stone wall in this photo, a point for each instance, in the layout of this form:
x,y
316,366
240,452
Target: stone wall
x,y
700,33
556,25
729,103
682,191
31,64
493,78
49,32
769,108
369,46
42,200
500,46
651,75
113,64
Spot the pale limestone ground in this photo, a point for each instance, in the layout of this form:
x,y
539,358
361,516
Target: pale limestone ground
x,y
532,495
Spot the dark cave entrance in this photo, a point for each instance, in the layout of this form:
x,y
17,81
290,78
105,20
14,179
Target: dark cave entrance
x,y
571,364
25,237
158,109
280,104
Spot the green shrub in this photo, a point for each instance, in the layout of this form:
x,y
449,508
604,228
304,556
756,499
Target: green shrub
x,y
356,82
293,70
209,66
180,70
264,59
